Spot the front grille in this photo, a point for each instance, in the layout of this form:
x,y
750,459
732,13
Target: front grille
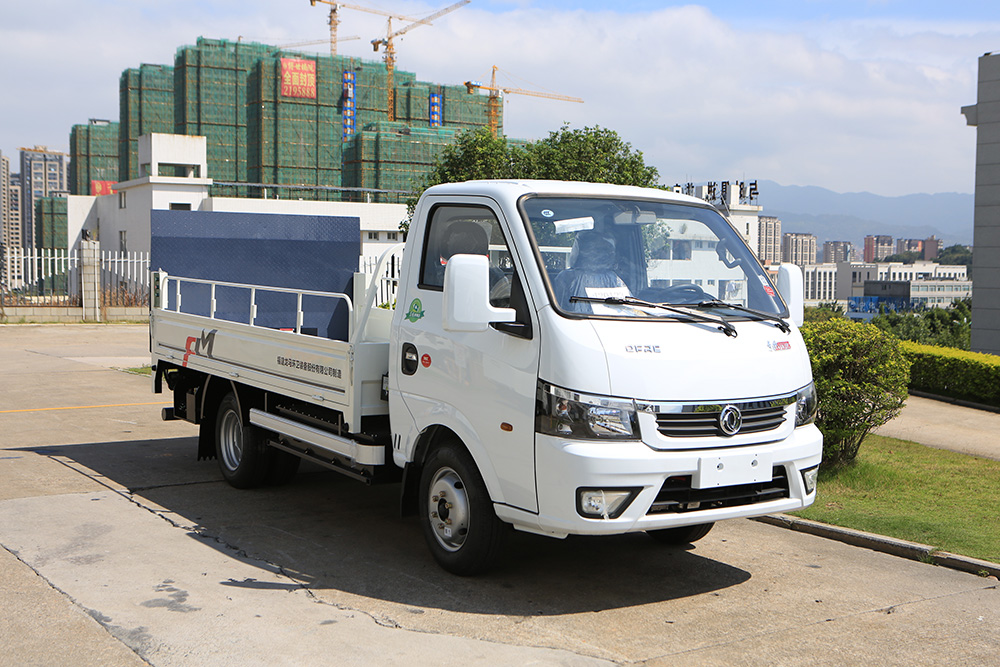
x,y
703,421
677,496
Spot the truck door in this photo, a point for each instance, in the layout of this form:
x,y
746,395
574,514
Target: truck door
x,y
480,384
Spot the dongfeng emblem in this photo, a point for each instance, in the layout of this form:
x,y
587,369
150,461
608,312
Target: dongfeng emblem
x,y
730,420
415,312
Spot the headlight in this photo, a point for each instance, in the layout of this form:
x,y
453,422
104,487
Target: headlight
x,y
806,405
569,414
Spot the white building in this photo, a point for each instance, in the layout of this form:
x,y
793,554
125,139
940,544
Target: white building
x,y
121,221
743,217
920,271
820,283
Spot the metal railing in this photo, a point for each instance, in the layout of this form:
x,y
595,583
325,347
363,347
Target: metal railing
x,y
51,277
166,292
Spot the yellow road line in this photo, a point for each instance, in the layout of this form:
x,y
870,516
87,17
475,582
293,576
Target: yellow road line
x,y
87,407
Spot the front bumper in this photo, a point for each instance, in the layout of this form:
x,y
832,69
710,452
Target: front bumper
x,y
563,467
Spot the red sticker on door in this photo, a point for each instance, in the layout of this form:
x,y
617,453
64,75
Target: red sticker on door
x,y
426,360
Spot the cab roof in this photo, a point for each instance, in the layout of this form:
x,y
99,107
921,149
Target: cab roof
x,y
516,188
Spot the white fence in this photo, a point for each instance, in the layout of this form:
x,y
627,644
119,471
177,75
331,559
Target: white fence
x,y
51,277
388,282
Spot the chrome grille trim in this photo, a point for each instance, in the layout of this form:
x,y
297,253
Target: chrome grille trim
x,y
700,420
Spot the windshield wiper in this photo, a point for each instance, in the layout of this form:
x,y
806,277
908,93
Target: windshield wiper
x,y
781,324
689,315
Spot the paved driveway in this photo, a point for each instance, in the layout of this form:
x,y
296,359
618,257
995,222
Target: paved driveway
x,y
118,547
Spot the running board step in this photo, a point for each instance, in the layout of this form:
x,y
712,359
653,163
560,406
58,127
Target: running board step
x,y
362,454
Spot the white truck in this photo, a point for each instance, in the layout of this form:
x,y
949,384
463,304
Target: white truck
x,y
563,358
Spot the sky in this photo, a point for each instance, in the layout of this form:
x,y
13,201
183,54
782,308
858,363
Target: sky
x,y
850,95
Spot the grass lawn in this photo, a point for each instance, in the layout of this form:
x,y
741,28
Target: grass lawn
x,y
901,489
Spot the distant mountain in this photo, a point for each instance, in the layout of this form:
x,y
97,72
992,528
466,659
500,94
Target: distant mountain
x,y
833,216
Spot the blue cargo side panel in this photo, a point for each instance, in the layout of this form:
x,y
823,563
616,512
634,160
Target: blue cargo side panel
x,y
306,252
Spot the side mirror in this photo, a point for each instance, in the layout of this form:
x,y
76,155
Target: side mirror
x,y
467,295
792,291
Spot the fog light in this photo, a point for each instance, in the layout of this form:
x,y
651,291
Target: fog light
x,y
604,503
809,479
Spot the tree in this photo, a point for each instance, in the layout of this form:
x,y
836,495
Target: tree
x,y
908,257
823,312
861,378
955,254
593,154
945,327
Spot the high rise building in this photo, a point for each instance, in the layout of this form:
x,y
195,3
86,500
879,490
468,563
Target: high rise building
x,y
10,231
4,198
877,248
769,240
93,150
44,173
838,251
798,248
932,247
909,245
985,117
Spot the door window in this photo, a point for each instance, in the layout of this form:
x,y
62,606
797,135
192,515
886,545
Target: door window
x,y
467,230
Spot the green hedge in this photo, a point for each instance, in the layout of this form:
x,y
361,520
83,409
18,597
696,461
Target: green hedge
x,y
945,371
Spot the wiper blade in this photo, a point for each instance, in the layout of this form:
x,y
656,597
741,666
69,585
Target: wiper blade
x,y
691,315
781,324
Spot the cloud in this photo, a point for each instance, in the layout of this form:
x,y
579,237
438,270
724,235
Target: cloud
x,y
848,105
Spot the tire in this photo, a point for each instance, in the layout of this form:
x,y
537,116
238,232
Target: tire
x,y
239,446
282,466
456,513
681,535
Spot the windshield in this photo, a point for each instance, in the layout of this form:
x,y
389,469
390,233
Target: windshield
x,y
603,256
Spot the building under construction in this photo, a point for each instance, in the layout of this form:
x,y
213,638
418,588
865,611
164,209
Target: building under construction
x,y
288,124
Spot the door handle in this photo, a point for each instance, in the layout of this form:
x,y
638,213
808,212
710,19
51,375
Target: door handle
x,y
410,359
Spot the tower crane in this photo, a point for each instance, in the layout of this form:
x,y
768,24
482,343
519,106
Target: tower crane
x,y
390,51
334,19
493,106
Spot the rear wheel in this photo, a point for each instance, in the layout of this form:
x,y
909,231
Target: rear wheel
x,y
456,512
681,535
239,446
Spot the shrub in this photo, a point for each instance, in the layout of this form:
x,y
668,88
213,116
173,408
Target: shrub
x,y
861,377
969,376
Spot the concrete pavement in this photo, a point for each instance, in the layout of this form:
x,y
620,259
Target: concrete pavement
x,y
116,547
947,426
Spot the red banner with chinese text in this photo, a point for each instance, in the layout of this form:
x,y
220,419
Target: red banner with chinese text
x,y
298,78
102,187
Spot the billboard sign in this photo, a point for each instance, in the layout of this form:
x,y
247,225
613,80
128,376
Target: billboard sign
x,y
102,187
298,78
348,107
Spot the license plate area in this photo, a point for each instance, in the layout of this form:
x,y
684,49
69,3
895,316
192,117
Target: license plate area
x,y
732,469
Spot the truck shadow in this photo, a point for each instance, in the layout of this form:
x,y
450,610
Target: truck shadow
x,y
339,538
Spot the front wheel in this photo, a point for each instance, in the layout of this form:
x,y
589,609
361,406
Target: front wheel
x,y
240,447
456,513
681,535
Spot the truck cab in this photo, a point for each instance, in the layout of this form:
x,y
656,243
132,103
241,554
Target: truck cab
x,y
574,358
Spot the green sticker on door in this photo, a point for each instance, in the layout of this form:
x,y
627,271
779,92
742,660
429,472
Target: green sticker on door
x,y
415,312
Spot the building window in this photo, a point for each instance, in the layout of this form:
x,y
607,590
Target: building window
x,y
392,236
123,241
121,199
178,206
373,236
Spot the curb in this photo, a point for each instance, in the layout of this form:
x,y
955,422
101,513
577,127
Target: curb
x,y
883,544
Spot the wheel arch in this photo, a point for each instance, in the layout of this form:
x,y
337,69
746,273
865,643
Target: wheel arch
x,y
427,440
